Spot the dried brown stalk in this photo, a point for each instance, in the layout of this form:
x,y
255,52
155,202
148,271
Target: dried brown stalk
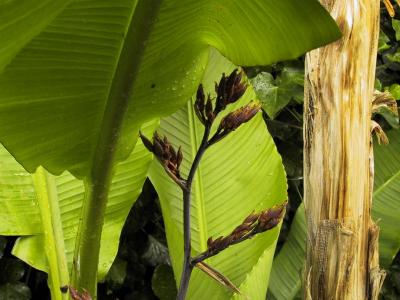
x,y
342,258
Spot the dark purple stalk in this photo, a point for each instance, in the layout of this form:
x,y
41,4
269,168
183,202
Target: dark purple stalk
x,y
187,266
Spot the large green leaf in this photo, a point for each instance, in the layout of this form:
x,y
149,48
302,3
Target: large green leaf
x,y
242,173
24,199
287,268
286,275
21,20
19,209
62,60
386,199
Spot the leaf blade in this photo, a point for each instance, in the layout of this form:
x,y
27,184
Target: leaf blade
x,y
66,70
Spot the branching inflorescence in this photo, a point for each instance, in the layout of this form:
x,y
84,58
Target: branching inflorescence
x,y
229,90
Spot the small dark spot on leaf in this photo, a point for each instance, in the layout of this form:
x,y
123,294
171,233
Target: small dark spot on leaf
x,y
153,85
64,289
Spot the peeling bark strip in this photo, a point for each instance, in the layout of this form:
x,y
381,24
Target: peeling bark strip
x,y
342,253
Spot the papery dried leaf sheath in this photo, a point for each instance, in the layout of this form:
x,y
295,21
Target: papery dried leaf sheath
x,y
389,7
342,261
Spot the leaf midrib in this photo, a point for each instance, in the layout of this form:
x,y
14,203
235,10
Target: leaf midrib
x,y
386,183
100,173
54,243
198,181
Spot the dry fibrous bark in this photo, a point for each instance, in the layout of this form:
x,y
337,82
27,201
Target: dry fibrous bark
x,y
342,246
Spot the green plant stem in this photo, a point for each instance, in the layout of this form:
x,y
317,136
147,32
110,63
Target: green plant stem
x,y
187,266
86,256
53,232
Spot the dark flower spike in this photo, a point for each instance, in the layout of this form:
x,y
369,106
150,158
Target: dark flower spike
x,y
146,142
270,218
234,119
209,111
203,109
199,105
166,155
229,90
253,224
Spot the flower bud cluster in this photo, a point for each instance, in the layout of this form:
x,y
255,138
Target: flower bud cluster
x,y
165,154
228,90
253,224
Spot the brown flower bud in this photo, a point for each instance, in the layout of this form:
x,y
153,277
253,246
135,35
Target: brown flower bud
x,y
199,105
272,213
269,224
250,219
240,116
234,119
229,90
146,142
209,242
271,217
166,155
217,243
158,147
242,228
209,110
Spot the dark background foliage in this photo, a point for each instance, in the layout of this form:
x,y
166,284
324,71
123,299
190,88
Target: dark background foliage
x,y
142,268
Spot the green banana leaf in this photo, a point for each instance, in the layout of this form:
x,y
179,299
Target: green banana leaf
x,y
386,199
288,266
45,209
239,174
63,60
286,274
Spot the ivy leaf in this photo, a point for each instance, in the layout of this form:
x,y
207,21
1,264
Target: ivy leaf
x,y
275,94
394,89
383,42
396,27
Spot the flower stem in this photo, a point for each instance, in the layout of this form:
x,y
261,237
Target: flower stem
x,y
187,266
